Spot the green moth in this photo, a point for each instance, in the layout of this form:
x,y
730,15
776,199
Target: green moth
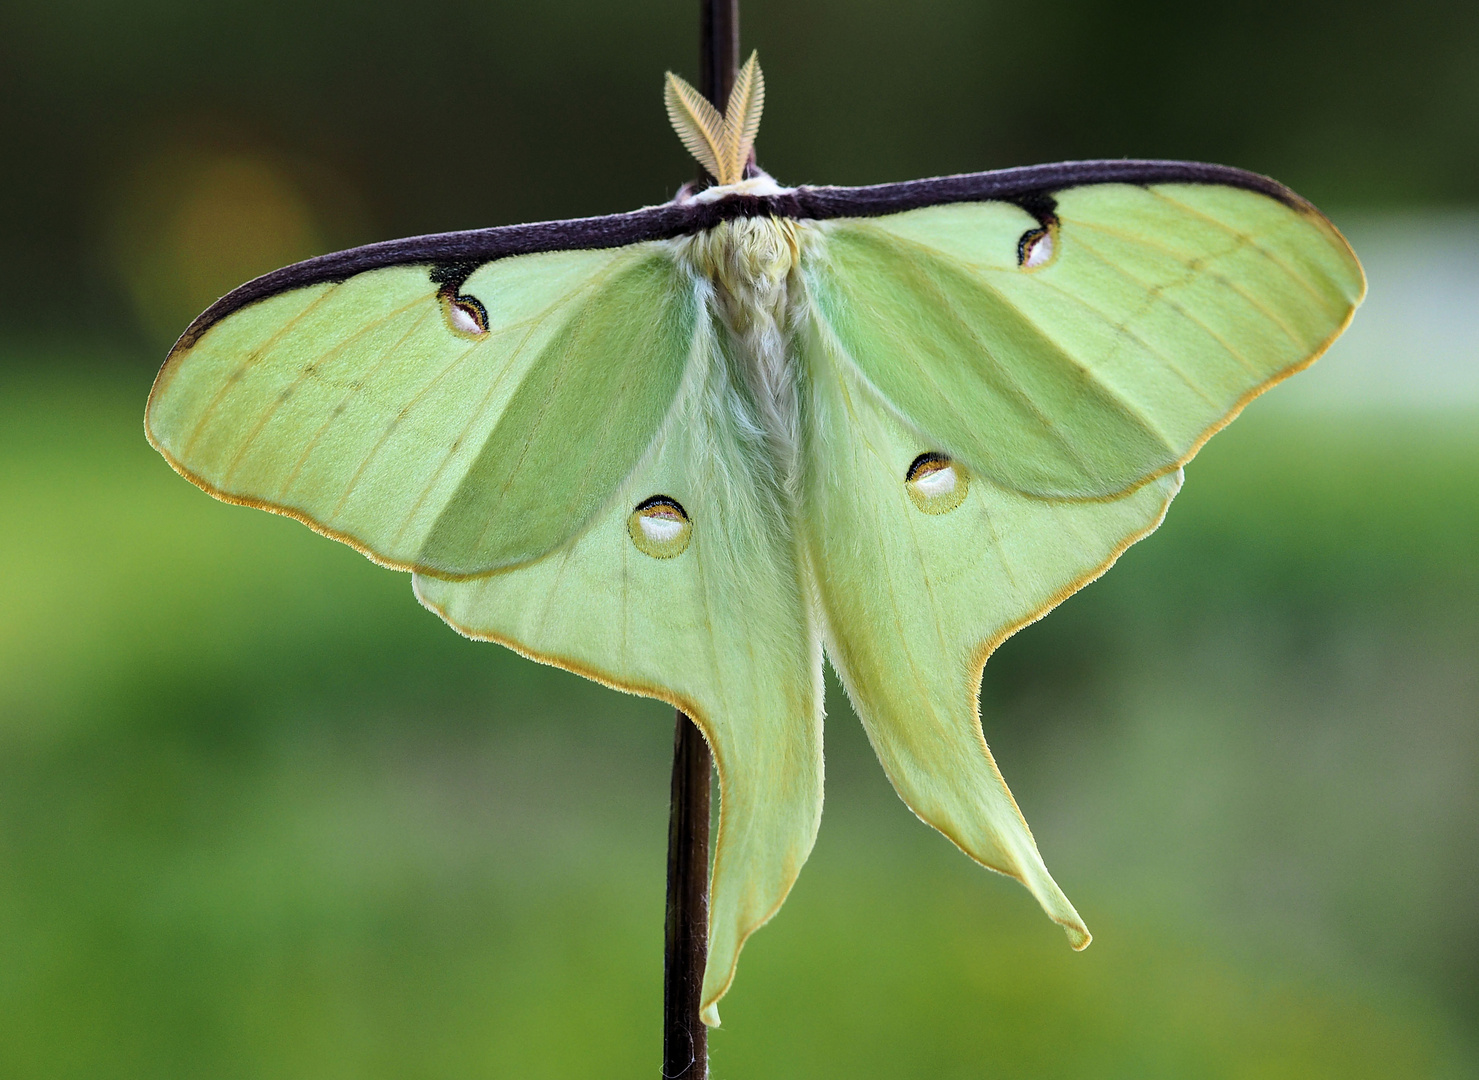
x,y
685,451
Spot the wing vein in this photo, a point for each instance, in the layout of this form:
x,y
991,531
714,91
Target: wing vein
x,y
283,396
1299,279
257,355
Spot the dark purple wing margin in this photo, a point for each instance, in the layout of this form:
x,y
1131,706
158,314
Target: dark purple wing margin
x,y
452,256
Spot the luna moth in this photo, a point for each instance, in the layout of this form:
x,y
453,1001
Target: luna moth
x,y
689,450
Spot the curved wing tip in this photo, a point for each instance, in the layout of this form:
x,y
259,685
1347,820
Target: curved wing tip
x,y
710,1015
1079,937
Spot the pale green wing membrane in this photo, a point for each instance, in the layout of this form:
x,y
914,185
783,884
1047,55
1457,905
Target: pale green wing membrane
x,y
451,430
1081,355
920,580
708,612
995,397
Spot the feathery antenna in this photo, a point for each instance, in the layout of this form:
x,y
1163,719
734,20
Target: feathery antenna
x,y
721,142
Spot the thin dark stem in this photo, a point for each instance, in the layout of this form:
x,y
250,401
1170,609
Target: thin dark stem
x,y
719,56
685,1041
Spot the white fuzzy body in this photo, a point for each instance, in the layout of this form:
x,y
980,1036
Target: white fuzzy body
x,y
750,264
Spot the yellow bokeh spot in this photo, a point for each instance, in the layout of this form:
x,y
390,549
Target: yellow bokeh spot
x,y
190,226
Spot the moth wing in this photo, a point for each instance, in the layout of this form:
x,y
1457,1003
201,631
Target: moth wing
x,y
914,602
1082,359
445,430
724,630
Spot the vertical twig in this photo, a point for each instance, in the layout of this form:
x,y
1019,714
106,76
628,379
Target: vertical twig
x,y
719,56
685,1042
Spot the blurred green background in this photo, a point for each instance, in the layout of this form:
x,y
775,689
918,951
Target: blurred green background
x,y
263,816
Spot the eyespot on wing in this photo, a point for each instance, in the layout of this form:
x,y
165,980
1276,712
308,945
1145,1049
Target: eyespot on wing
x,y
936,483
660,527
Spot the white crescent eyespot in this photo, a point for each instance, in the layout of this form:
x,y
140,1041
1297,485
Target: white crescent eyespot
x,y
660,527
465,314
936,484
1036,248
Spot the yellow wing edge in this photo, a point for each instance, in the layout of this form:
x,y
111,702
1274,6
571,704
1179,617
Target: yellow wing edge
x,y
1242,402
1079,937
708,1011
1304,208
